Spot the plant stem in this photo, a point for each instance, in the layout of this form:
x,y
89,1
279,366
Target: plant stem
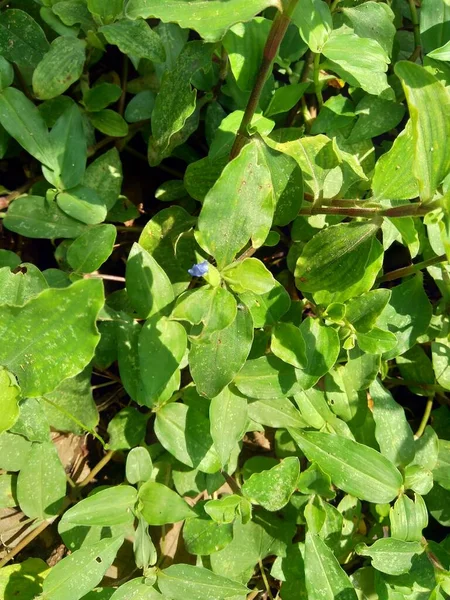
x,y
264,578
416,29
98,467
67,414
406,210
26,540
317,87
276,35
232,483
123,96
405,271
424,421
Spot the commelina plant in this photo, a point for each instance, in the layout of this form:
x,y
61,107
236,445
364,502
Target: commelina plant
x,y
224,275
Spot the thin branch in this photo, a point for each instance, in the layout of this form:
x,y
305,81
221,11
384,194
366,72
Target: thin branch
x,y
405,271
426,416
123,96
416,29
276,35
26,540
98,467
264,578
317,88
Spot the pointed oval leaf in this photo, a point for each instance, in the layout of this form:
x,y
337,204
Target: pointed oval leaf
x,y
60,67
355,468
112,506
273,488
159,505
186,582
83,204
136,38
429,107
89,251
228,418
391,556
53,336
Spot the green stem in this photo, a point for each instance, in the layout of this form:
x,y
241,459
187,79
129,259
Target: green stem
x,y
416,30
276,35
264,578
424,421
317,87
75,420
405,271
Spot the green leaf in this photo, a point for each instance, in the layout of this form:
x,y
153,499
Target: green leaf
x,y
407,315
160,505
228,418
442,53
203,536
322,178
140,107
288,344
18,288
111,506
148,286
22,40
392,430
101,95
186,582
277,413
9,397
89,251
104,175
266,378
210,19
176,99
127,429
224,509
335,257
60,67
144,553
72,12
135,588
249,274
24,123
185,433
6,73
25,577
272,489
41,485
244,44
372,20
393,178
239,207
391,556
69,150
32,422
363,311
215,307
267,309
72,397
287,183
440,350
408,518
434,25
162,344
362,62
83,204
322,349
442,469
106,10
429,105
215,363
375,117
313,18
135,38
139,465
35,217
376,341
77,574
325,578
285,98
354,468
109,122
44,350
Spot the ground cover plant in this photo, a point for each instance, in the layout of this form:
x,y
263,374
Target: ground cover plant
x,y
225,295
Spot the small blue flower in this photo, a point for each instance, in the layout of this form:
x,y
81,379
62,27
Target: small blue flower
x,y
199,270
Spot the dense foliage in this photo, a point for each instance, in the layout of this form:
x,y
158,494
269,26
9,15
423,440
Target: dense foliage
x,y
224,271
